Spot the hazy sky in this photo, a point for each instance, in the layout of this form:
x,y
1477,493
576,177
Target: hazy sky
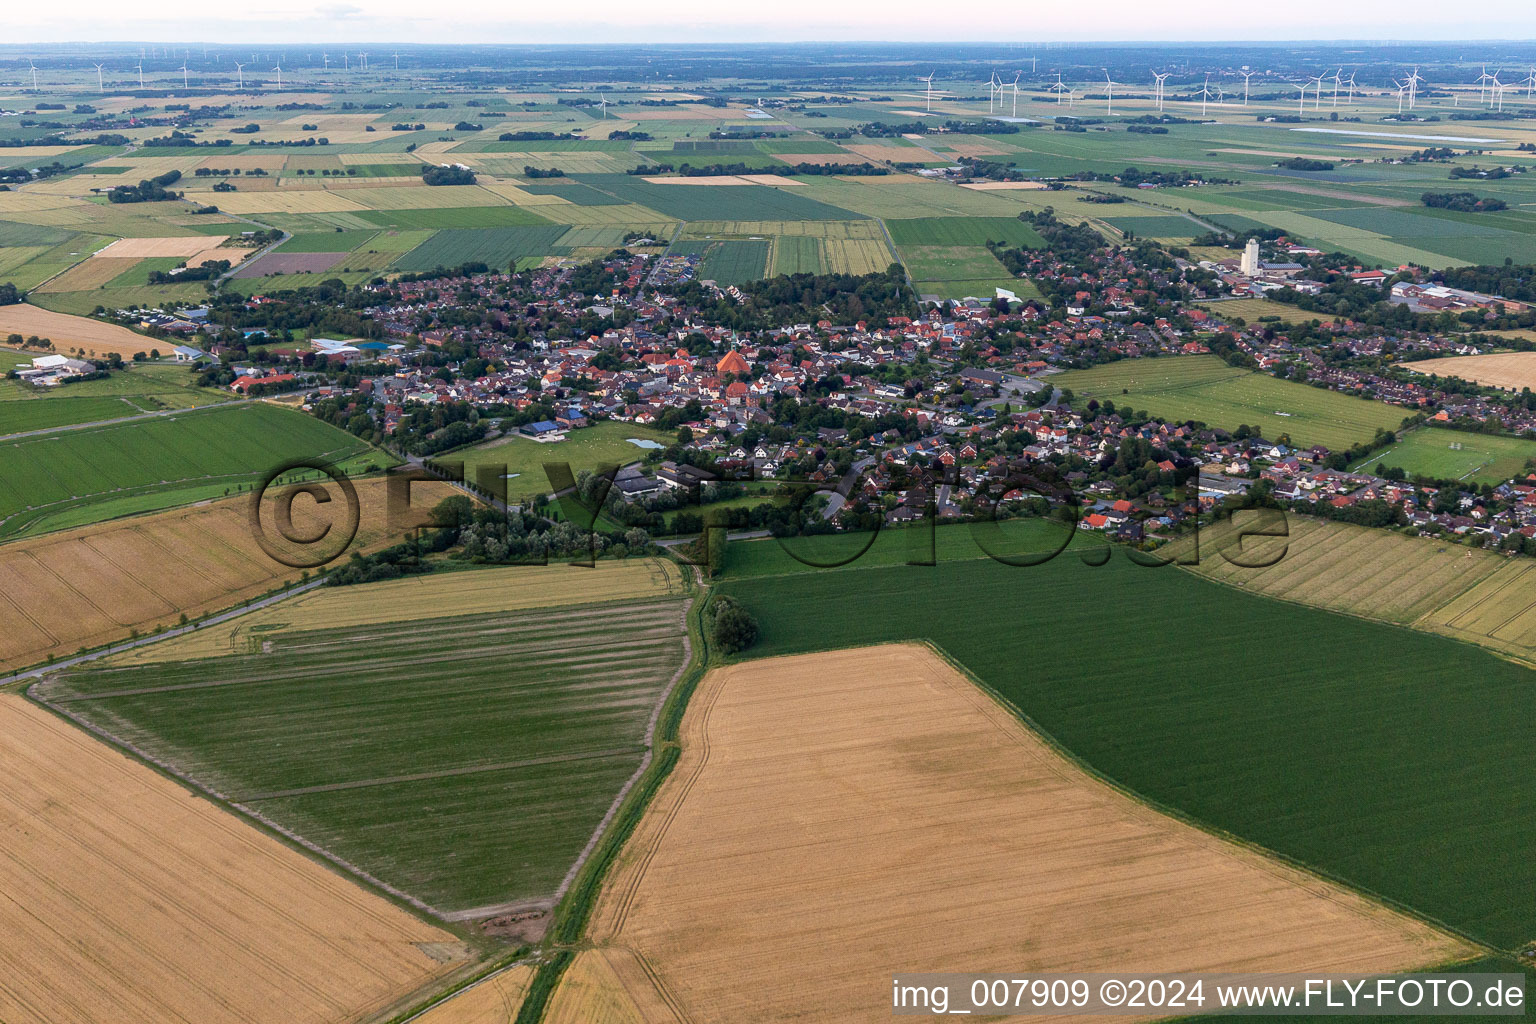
x,y
518,21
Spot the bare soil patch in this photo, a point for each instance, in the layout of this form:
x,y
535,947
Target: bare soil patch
x,y
290,263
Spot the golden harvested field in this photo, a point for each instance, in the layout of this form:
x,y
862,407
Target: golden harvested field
x,y
821,158
494,1001
88,274
33,152
1511,370
867,230
233,253
426,197
416,598
130,900
35,202
513,194
836,815
854,256
1252,309
269,162
142,248
93,585
317,201
889,154
1498,612
1351,569
71,332
713,179
1003,186
632,215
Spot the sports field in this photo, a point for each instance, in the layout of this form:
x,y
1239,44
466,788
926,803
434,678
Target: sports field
x,y
131,900
1207,390
849,794
1457,455
520,460
1311,784
348,733
73,477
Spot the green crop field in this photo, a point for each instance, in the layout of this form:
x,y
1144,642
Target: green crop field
x,y
496,247
522,460
963,231
728,262
138,388
462,217
470,779
1456,455
796,254
721,202
1376,754
1205,389
69,472
327,241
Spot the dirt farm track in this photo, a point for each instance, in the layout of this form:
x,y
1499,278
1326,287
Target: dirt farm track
x,y
129,900
836,817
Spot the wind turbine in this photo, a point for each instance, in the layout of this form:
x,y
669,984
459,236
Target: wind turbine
x,y
604,104
327,58
34,74
346,62
1059,89
1246,75
1158,88
140,66
929,82
1497,88
397,62
279,69
99,86
239,74
184,84
1413,88
1221,94
364,58
1336,83
1482,85
1301,106
1205,94
1402,90
1109,94
1351,83
1317,91
1016,78
992,84
1530,83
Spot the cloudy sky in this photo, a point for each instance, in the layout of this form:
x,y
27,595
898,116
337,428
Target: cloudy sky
x,y
519,21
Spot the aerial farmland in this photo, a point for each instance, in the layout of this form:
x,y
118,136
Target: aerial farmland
x,y
511,528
